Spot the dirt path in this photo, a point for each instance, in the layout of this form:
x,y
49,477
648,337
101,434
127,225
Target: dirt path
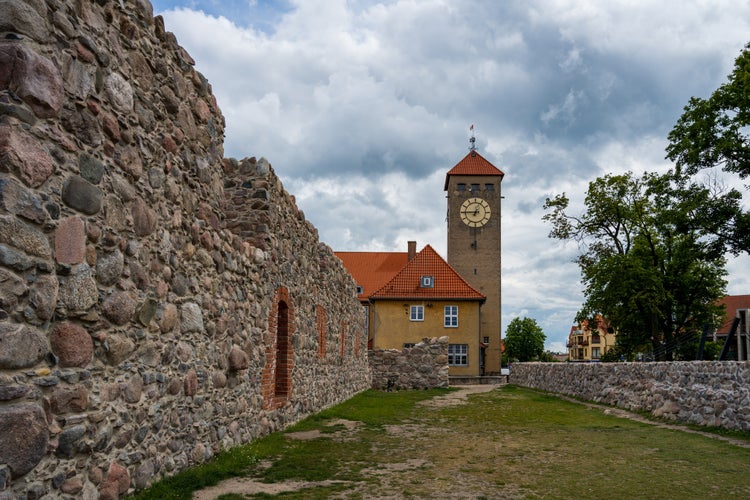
x,y
250,486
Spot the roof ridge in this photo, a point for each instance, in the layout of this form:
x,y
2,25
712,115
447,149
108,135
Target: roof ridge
x,y
473,164
404,283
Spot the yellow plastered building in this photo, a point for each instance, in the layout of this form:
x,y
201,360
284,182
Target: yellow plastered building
x,y
425,298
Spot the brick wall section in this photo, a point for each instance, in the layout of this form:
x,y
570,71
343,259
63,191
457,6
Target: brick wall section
x,y
424,366
140,271
710,393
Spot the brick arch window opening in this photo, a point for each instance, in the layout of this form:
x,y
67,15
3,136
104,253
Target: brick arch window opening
x,y
356,344
276,383
283,352
343,339
320,317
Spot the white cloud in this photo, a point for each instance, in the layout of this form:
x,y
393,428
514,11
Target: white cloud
x,y
362,106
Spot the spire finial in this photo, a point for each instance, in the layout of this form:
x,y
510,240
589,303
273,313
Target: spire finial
x,y
472,141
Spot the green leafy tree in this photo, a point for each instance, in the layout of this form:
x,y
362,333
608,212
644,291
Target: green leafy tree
x,y
715,132
524,339
643,266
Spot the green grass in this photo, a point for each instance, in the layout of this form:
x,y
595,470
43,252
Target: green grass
x,y
507,442
309,460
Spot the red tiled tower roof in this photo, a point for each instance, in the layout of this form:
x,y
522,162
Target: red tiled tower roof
x,y
447,283
473,164
372,270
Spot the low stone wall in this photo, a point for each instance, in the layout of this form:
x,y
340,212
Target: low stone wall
x,y
707,393
423,366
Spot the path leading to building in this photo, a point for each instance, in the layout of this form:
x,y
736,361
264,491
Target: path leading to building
x,y
251,486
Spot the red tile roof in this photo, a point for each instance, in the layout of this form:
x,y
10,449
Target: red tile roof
x,y
473,164
732,303
372,270
448,284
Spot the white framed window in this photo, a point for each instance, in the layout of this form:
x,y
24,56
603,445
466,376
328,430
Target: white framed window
x,y
450,317
416,313
458,354
595,353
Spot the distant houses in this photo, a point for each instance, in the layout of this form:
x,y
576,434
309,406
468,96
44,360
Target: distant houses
x,y
736,307
590,344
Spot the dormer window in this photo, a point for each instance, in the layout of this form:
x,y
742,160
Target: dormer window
x,y
427,282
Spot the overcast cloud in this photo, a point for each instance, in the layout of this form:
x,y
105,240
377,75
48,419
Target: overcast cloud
x,y
362,106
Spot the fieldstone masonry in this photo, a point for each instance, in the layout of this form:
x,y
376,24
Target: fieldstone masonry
x,y
145,280
711,393
424,366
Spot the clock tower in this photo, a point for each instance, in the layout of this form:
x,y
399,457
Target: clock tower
x,y
473,192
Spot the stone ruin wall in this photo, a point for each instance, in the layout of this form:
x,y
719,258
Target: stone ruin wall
x,y
145,279
710,393
424,366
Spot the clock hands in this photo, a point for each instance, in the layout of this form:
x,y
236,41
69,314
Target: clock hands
x,y
475,212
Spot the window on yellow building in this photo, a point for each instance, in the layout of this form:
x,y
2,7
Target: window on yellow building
x,y
416,313
451,317
458,354
594,353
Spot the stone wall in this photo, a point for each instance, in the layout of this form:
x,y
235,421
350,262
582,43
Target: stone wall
x,y
424,366
711,393
158,302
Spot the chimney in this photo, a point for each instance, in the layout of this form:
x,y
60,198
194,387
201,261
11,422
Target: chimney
x,y
412,249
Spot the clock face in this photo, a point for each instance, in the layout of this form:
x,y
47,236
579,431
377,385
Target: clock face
x,y
475,212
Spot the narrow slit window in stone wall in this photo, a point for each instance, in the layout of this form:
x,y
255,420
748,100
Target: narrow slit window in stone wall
x,y
320,316
343,338
282,351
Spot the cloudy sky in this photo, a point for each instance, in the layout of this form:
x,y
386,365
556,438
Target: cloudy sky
x,y
362,106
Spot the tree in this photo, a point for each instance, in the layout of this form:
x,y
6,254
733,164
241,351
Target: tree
x,y
644,267
715,132
524,339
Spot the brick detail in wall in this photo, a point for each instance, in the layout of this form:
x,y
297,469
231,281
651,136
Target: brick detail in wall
x,y
277,373
140,265
320,318
343,338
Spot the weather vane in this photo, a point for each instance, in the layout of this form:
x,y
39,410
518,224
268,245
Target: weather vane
x,y
472,141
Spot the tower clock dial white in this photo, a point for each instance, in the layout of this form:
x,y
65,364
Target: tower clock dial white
x,y
475,212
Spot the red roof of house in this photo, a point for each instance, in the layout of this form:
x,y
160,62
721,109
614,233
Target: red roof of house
x,y
732,303
473,164
447,283
372,270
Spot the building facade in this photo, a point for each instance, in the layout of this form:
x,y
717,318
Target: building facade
x,y
736,308
427,298
473,193
590,344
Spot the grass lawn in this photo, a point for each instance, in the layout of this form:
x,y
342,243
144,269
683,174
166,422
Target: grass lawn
x,y
509,442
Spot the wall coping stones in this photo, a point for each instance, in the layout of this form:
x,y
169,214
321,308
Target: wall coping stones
x,y
709,393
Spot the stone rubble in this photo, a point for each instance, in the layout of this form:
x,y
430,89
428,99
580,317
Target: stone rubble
x,y
424,366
